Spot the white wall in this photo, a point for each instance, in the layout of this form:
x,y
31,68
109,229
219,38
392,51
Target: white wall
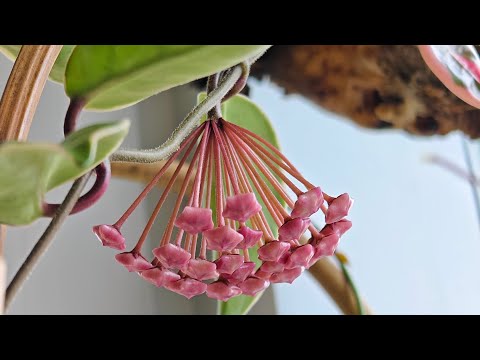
x,y
77,275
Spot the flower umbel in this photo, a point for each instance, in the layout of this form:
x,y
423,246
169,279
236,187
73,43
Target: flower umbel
x,y
233,185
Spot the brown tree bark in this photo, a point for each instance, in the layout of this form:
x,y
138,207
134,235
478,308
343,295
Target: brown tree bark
x,y
376,86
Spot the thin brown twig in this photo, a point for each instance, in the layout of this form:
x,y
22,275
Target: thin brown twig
x,y
46,239
325,272
331,278
453,168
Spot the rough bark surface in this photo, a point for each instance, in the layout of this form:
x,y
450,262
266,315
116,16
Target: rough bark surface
x,y
376,86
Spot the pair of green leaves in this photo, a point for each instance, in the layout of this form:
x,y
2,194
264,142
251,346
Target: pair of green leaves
x,y
111,77
29,170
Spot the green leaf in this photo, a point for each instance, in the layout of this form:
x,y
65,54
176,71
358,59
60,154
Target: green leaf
x,y
242,111
115,76
58,71
28,171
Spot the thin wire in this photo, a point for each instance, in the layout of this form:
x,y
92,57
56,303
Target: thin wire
x,y
469,163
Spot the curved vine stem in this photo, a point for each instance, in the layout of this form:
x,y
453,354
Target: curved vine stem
x,y
190,123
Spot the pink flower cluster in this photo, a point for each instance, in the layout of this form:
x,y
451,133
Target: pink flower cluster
x,y
213,252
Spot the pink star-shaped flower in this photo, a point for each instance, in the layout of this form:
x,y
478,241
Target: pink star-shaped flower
x,y
287,275
241,207
252,286
338,208
219,290
195,220
272,267
308,203
300,257
159,277
222,238
293,229
133,261
227,264
187,287
250,237
273,250
110,236
239,275
172,256
325,246
201,269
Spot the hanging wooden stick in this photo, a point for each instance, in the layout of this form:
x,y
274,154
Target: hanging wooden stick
x,y
17,108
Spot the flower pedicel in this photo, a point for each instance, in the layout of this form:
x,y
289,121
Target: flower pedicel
x,y
205,247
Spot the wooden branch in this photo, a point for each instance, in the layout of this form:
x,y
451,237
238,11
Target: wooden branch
x,y
376,86
17,107
24,88
327,274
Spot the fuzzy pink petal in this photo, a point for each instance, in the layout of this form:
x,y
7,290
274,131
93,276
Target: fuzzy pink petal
x,y
110,236
250,237
300,256
227,264
201,269
195,220
172,256
241,207
293,229
338,208
222,238
159,277
273,251
221,291
133,262
187,287
308,203
253,286
287,276
239,275
325,246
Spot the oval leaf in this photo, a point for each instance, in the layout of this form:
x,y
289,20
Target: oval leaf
x,y
28,171
242,111
115,76
58,71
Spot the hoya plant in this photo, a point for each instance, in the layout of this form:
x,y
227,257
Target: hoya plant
x,y
241,218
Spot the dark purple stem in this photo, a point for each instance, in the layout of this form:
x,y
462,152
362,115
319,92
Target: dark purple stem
x,y
102,171
103,175
71,117
241,82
